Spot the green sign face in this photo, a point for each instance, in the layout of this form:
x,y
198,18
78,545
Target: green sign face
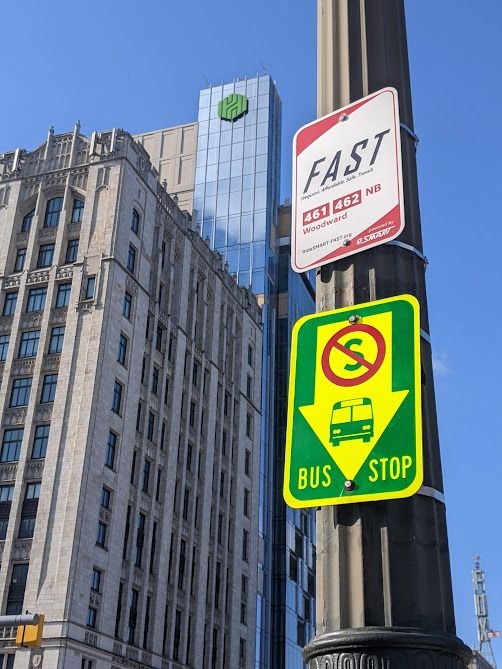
x,y
354,430
232,107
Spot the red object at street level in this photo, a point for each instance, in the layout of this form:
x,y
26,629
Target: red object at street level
x,y
347,182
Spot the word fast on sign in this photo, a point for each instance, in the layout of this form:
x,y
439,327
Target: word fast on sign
x,y
350,168
347,182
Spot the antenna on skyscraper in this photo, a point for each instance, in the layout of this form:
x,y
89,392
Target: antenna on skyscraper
x,y
265,71
485,632
208,83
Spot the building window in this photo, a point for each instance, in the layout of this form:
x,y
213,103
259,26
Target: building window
x,y
4,345
155,381
52,212
11,444
72,250
101,535
177,636
127,305
220,529
126,531
191,416
29,510
92,615
27,221
63,295
146,626
249,387
49,388
9,305
247,463
111,450
96,576
246,502
40,441
181,564
140,539
6,493
122,351
249,426
145,475
36,299
45,255
56,339
106,496
20,260
186,503
250,356
117,397
150,426
16,588
133,617
245,545
138,416
28,345
158,485
135,221
242,652
77,212
20,393
195,374
131,258
159,338
90,284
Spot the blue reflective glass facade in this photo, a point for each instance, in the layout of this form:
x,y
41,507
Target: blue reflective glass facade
x,y
237,180
236,205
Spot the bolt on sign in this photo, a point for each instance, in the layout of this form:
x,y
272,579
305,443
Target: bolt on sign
x,y
354,430
347,182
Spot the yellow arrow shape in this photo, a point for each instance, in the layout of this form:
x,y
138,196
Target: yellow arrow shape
x,y
351,453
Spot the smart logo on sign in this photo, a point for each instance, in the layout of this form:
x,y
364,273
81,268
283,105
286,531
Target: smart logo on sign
x,y
232,107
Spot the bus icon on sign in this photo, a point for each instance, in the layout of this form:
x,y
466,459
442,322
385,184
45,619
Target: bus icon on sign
x,y
351,419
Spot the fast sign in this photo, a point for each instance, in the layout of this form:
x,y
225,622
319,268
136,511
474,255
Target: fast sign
x,y
347,182
354,409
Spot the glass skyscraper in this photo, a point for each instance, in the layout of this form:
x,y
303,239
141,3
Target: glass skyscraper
x,y
236,205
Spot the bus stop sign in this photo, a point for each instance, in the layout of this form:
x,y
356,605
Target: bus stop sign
x,y
354,431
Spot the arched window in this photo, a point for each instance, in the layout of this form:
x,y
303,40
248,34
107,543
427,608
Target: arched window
x,y
26,224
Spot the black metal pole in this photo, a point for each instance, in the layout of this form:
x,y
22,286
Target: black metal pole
x,y
384,595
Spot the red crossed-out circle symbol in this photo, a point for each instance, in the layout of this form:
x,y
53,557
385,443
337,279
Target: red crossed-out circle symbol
x,y
371,367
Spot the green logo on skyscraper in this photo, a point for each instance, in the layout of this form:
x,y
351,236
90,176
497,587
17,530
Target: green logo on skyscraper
x,y
232,107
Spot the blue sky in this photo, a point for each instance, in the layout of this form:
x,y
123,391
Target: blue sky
x,y
140,67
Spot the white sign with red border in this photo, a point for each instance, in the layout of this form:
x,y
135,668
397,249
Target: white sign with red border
x,y
347,182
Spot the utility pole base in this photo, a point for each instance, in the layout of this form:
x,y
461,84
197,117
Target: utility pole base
x,y
386,648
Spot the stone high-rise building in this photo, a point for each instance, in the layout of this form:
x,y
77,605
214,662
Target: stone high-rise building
x,y
130,365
